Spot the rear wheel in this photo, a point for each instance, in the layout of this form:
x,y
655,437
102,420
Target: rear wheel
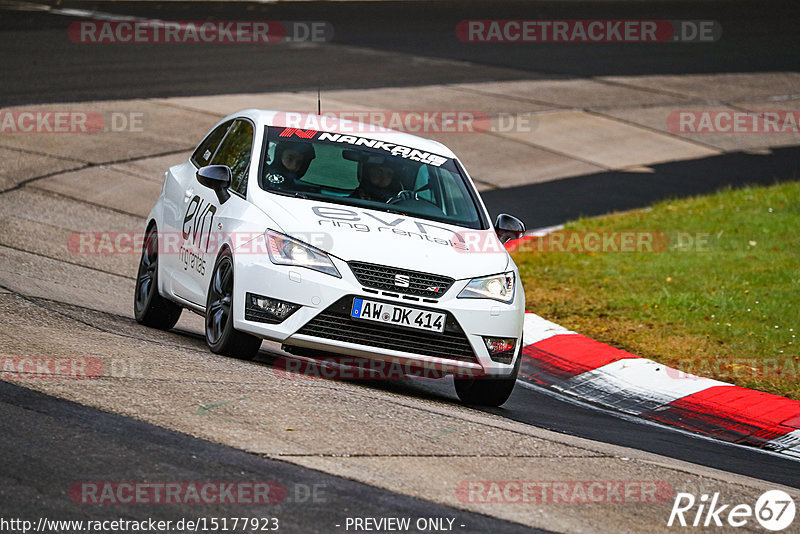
x,y
221,337
487,391
149,307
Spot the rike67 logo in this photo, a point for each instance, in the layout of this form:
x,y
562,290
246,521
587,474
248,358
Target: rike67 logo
x,y
774,510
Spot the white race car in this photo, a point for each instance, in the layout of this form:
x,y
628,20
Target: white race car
x,y
344,239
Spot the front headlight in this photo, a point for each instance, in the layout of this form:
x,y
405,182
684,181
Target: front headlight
x,y
283,250
498,287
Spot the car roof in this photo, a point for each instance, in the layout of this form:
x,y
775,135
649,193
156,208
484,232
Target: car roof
x,y
263,117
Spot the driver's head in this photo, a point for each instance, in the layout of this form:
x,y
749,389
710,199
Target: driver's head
x,y
380,179
294,158
380,175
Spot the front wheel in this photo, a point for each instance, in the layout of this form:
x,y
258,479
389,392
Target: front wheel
x,y
487,391
221,337
149,307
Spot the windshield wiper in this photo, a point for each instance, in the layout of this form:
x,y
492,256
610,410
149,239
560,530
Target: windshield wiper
x,y
393,210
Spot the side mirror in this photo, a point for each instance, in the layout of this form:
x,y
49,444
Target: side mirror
x,y
218,178
508,227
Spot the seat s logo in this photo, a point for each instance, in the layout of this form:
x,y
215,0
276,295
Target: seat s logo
x,y
402,280
198,220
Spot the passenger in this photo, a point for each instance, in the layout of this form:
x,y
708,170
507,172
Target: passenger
x,y
290,163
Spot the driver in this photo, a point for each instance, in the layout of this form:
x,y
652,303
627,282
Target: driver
x,y
290,163
378,182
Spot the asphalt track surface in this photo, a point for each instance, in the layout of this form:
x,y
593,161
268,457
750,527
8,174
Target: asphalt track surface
x,y
551,203
40,66
53,443
553,413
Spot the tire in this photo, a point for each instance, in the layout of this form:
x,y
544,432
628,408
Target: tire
x,y
149,307
487,391
221,337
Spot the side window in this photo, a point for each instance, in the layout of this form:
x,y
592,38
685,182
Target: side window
x,y
202,156
235,152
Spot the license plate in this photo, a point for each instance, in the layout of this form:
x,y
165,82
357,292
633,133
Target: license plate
x,y
382,312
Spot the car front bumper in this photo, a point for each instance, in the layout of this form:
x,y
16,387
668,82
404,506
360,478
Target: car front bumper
x,y
322,320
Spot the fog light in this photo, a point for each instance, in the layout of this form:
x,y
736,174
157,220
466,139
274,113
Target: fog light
x,y
501,349
267,310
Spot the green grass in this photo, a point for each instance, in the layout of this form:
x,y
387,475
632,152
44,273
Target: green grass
x,y
728,309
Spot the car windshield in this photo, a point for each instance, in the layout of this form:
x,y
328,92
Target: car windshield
x,y
351,170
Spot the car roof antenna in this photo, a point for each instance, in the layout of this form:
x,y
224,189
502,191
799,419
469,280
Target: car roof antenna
x,y
319,102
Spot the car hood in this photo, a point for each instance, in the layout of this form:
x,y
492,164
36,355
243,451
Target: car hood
x,y
358,234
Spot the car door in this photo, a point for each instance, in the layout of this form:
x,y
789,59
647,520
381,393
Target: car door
x,y
206,219
179,190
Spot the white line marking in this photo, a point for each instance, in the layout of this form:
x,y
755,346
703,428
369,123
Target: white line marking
x,y
634,419
536,329
636,385
12,5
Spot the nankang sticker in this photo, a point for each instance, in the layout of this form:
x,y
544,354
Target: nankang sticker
x,y
392,148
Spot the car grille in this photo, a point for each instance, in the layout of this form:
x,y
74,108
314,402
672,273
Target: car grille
x,y
335,323
425,285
